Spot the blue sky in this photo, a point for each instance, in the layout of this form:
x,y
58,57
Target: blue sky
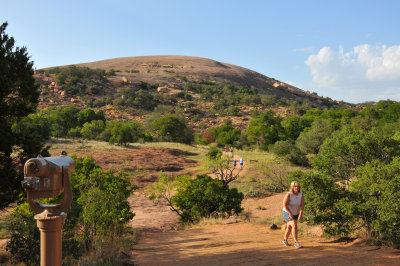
x,y
346,50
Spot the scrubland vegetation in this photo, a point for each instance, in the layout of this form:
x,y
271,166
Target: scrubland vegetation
x,y
347,159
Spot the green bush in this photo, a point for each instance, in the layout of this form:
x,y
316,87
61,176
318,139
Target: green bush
x,y
265,129
310,141
122,133
290,152
205,197
24,244
226,134
197,198
92,130
172,128
100,208
139,97
97,217
327,204
198,139
214,153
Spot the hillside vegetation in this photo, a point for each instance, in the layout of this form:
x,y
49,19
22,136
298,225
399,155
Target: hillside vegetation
x,y
346,159
202,90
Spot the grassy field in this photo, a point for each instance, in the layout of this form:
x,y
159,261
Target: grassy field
x,y
262,175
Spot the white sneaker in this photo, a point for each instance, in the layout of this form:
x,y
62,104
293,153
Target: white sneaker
x,y
297,245
285,243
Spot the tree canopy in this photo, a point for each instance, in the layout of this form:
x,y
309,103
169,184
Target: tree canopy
x,y
18,97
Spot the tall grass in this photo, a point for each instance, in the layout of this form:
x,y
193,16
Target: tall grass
x,y
264,174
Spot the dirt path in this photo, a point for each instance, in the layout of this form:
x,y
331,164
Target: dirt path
x,y
150,216
248,244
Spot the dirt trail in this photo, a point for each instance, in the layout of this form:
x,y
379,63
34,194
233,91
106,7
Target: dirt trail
x,y
248,244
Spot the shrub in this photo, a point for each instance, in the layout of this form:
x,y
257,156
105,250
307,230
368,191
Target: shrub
x,y
122,132
327,203
197,198
205,197
208,135
198,139
100,208
311,140
172,128
214,153
24,244
290,152
96,218
93,129
265,129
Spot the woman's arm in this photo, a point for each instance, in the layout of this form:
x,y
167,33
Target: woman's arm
x,y
301,207
286,203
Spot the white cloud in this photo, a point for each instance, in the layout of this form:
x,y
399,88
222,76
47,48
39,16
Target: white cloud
x,y
367,73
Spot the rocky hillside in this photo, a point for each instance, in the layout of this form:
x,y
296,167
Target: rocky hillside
x,y
167,80
179,70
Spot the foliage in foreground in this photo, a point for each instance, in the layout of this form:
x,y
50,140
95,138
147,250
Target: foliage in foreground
x,y
24,245
193,199
372,202
358,185
97,217
18,97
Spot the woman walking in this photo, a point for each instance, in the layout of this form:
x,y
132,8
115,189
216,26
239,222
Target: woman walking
x,y
293,205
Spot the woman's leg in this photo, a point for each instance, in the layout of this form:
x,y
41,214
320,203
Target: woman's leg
x,y
288,230
294,232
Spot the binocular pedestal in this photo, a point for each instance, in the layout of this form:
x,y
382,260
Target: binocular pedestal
x,y
48,177
50,227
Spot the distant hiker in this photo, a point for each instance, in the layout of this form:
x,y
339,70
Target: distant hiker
x,y
293,205
234,163
241,161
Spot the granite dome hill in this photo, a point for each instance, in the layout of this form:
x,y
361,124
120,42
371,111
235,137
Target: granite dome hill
x,y
178,70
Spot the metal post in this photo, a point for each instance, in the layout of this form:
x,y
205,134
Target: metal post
x,y
50,227
45,178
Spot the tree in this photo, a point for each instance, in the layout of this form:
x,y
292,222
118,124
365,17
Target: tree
x,y
371,201
214,153
340,155
293,126
18,97
287,150
265,129
31,133
378,199
226,134
310,140
327,203
61,119
91,130
24,244
223,168
204,196
100,207
198,197
88,115
122,132
172,128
